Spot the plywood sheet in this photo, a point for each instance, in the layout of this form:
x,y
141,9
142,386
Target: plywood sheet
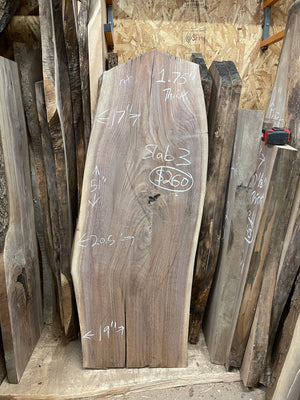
x,y
226,30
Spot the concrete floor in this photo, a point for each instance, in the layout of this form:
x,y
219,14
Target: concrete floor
x,y
211,391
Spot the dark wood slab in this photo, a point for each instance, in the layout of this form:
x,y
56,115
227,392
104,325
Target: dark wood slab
x,y
205,77
60,121
7,10
285,375
284,108
20,296
81,12
220,308
137,233
29,61
222,116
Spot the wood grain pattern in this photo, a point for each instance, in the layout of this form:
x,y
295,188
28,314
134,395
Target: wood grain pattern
x,y
283,185
222,117
205,77
60,375
60,120
81,12
30,65
220,307
7,10
21,303
72,51
138,225
266,256
2,361
285,375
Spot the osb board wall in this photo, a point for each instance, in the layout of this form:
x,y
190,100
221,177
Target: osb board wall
x,y
220,30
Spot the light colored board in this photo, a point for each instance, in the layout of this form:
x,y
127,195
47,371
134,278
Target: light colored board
x,y
285,382
21,303
60,121
222,116
55,372
30,65
97,48
220,308
138,224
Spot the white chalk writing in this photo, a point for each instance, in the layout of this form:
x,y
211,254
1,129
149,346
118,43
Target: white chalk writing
x,y
171,179
111,118
156,155
106,331
174,82
95,186
126,80
93,240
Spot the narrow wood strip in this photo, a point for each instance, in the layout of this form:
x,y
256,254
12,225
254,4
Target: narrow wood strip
x,y
30,65
60,120
221,127
81,11
285,375
206,80
273,39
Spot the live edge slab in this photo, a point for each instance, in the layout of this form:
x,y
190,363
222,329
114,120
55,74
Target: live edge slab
x,y
143,194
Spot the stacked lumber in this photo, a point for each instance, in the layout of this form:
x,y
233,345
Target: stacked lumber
x,y
50,110
138,227
251,290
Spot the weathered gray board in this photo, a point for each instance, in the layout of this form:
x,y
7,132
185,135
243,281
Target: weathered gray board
x,y
220,308
138,227
20,291
222,117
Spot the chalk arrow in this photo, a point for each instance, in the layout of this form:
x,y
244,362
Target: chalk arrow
x,y
123,239
100,119
120,330
95,201
81,242
88,335
136,116
96,171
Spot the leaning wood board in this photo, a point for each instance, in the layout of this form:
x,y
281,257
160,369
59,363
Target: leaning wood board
x,y
140,213
222,116
60,120
281,194
20,292
220,307
30,67
285,383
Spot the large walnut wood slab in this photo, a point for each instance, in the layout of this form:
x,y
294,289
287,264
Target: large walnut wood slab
x,y
20,292
143,193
